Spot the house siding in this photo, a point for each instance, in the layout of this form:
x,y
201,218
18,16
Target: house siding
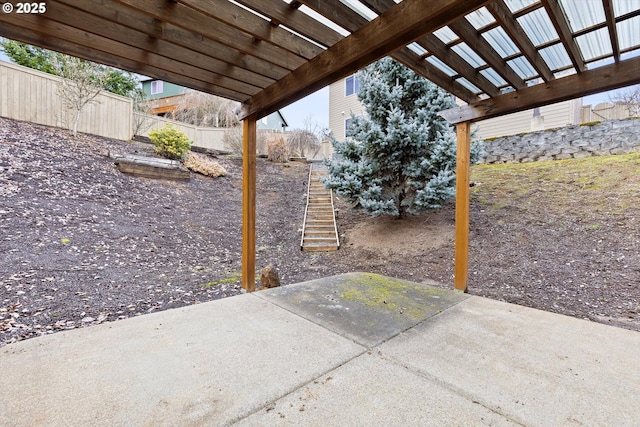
x,y
340,109
168,89
553,116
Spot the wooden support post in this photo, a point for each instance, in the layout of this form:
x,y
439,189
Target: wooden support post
x,y
463,170
249,203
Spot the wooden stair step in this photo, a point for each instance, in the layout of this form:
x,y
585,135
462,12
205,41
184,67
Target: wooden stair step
x,y
320,248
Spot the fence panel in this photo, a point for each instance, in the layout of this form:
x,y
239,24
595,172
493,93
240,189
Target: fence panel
x,y
30,95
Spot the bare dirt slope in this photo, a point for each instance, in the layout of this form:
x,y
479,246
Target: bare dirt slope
x,y
82,243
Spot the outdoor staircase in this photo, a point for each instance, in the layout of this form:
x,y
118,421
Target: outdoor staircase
x,y
319,231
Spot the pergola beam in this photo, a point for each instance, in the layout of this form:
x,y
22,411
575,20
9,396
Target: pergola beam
x,y
613,76
86,21
396,28
49,42
233,38
187,39
228,13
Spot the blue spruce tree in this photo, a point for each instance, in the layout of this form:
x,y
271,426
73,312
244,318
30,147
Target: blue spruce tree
x,y
401,158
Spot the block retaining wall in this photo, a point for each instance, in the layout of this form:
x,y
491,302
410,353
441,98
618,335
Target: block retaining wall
x,y
589,139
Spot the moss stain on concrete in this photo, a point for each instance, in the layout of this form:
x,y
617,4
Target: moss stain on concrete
x,y
389,295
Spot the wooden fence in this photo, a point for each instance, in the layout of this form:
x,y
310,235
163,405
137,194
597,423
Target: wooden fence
x,y
206,137
604,111
30,95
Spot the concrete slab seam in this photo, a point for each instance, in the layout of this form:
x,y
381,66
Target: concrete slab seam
x,y
434,379
295,389
256,294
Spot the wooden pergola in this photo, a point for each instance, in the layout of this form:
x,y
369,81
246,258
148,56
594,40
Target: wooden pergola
x,y
498,56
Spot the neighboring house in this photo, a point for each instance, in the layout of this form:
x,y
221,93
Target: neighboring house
x,y
343,102
165,97
274,121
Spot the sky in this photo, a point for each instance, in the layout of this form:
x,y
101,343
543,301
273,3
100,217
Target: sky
x,y
314,109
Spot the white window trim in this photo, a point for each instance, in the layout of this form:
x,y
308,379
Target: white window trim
x,y
355,92
159,87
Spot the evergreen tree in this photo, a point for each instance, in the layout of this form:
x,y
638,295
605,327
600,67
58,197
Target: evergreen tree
x,y
401,157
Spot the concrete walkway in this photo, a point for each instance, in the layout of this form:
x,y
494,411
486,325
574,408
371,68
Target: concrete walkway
x,y
355,349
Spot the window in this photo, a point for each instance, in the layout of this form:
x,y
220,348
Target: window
x,y
347,131
156,87
352,85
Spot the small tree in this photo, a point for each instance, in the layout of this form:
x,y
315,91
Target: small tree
x,y
402,156
81,82
303,143
630,98
306,142
141,117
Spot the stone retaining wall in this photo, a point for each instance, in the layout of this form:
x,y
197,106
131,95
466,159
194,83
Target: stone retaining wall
x,y
588,139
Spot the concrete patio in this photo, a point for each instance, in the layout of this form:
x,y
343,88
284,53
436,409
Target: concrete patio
x,y
354,349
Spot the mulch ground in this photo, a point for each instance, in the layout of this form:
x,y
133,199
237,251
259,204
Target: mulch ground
x,y
82,243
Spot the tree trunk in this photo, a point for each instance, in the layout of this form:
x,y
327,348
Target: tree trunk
x,y
75,123
401,210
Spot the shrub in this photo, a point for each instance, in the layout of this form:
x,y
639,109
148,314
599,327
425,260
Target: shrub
x,y
203,165
277,150
170,142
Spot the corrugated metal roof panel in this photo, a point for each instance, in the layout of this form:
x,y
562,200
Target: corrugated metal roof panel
x,y
630,54
583,14
480,18
468,55
600,63
466,83
493,77
446,35
622,7
442,66
595,44
516,5
555,56
538,26
417,49
523,67
629,33
501,42
360,9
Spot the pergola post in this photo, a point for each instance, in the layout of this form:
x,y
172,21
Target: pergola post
x,y
249,203
463,170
